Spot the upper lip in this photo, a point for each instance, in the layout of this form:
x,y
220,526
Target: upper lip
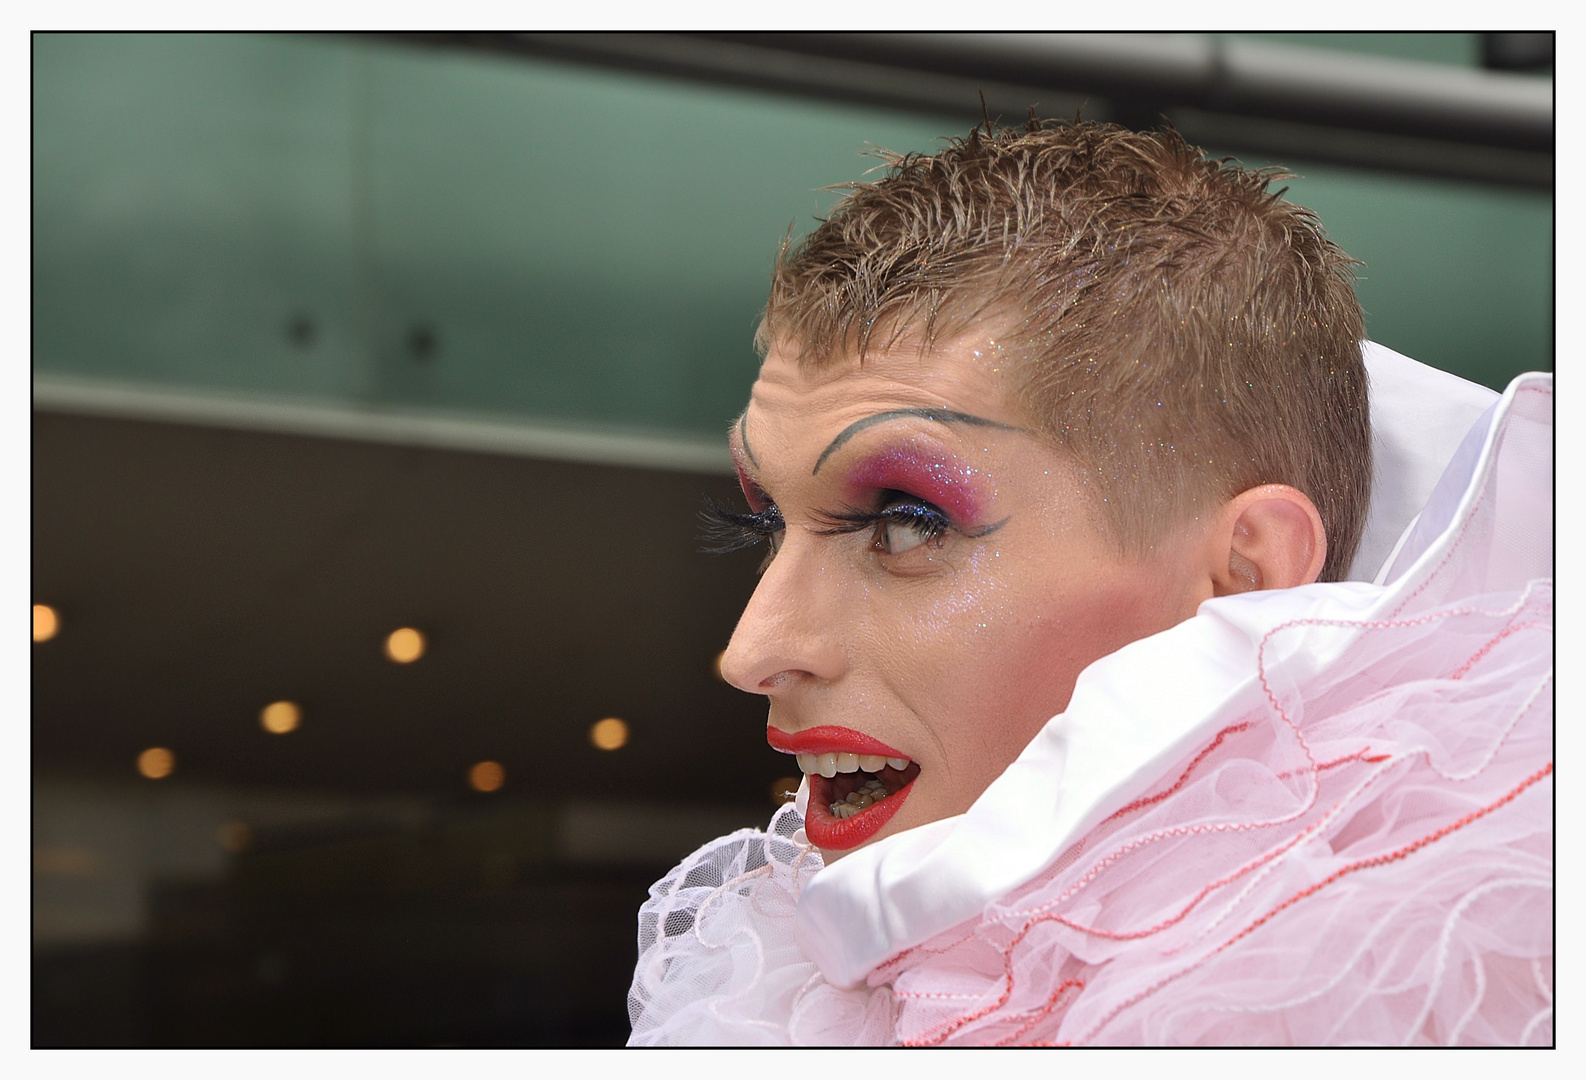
x,y
827,740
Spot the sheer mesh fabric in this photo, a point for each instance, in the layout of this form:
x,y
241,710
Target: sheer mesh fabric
x,y
719,961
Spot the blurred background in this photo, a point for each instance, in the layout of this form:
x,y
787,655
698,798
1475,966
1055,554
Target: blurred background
x,y
376,383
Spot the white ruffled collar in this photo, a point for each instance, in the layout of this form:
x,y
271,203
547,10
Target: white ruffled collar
x,y
1120,727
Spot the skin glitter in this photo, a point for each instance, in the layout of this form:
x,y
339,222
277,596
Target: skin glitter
x,y
951,641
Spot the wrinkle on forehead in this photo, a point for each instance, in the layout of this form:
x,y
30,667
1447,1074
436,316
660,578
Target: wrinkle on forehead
x,y
967,376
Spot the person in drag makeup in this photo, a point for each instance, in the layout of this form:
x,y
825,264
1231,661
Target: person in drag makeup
x,y
1147,685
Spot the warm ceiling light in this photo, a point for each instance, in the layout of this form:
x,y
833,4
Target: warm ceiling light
x,y
405,645
156,762
487,776
45,622
279,717
609,734
715,665
785,789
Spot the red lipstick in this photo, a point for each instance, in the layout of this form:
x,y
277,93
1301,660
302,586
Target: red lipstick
x,y
827,739
831,833
826,830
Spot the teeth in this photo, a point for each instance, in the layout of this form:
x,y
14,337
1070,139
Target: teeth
x,y
864,798
829,765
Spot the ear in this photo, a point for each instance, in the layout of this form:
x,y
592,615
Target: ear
x,y
1269,537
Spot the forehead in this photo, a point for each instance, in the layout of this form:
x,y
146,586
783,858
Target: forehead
x,y
963,375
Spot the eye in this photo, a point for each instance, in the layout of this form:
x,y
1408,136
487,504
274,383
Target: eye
x,y
904,526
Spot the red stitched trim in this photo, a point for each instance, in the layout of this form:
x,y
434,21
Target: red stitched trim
x,y
944,1033
1487,648
1358,755
1376,624
1184,776
1401,853
1269,856
911,950
1007,972
1363,864
1043,1012
1132,935
1189,830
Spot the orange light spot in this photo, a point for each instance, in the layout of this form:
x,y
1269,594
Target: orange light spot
x,y
46,623
279,717
404,645
609,734
487,776
156,762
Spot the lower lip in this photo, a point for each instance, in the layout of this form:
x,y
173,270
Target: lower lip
x,y
831,833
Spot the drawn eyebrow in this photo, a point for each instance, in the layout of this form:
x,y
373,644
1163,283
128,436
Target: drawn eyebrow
x,y
941,416
743,438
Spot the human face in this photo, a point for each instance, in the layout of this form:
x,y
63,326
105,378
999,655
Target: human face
x,y
938,578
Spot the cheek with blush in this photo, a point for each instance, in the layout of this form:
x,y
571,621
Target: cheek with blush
x,y
1002,661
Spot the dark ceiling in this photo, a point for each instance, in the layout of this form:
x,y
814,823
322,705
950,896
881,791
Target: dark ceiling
x,y
202,573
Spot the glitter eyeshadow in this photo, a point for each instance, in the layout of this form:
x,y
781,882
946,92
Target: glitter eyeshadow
x,y
942,480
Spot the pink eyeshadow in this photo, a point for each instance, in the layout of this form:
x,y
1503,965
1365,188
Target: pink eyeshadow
x,y
947,482
751,490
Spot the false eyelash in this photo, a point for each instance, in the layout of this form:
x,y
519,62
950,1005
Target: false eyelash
x,y
923,516
723,530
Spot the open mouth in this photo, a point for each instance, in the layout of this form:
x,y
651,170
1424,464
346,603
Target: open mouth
x,y
852,795
847,784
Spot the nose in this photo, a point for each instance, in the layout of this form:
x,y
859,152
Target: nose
x,y
788,634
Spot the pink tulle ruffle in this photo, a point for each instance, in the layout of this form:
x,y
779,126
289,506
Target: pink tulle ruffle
x,y
1367,860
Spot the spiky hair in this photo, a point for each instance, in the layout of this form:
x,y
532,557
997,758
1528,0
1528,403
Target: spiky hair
x,y
1179,328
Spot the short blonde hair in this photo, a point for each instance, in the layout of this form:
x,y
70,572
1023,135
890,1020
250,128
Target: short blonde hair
x,y
1184,333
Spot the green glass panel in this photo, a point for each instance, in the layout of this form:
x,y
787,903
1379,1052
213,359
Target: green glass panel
x,y
1460,49
1455,275
191,212
586,244
360,222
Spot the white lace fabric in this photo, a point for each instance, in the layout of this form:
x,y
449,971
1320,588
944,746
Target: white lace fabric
x,y
720,962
